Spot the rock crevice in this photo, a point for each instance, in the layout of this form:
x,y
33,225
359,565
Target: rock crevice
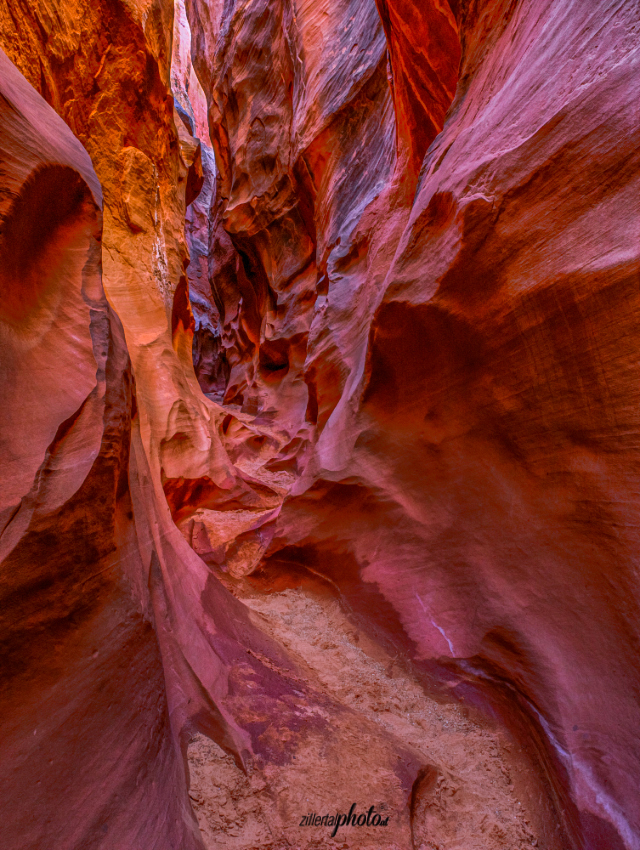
x,y
319,422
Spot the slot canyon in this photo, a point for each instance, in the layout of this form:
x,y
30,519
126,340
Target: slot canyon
x,y
320,424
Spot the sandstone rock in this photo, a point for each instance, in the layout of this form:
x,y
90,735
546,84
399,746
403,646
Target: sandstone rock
x,y
403,259
84,716
464,472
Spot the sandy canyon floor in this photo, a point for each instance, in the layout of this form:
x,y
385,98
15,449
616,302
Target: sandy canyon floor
x,y
474,795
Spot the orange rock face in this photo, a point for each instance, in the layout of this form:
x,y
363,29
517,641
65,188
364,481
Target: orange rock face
x,y
357,357
84,715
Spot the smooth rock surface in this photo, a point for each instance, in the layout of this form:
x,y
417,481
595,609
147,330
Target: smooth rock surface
x,y
379,408
84,719
466,470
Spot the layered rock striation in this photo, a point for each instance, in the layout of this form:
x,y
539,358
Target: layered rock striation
x,y
464,467
338,300
84,714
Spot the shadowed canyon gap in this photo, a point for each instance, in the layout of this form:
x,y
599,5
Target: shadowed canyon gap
x,y
320,423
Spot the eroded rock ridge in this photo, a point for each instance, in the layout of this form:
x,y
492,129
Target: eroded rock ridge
x,y
319,347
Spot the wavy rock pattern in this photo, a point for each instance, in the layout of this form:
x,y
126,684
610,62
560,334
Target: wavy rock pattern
x,y
464,471
319,347
84,714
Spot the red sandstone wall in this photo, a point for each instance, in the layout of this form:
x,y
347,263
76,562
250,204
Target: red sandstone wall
x,y
84,719
466,464
118,643
428,366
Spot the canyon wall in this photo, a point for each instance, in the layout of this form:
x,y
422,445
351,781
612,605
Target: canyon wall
x,y
409,288
116,641
84,717
455,370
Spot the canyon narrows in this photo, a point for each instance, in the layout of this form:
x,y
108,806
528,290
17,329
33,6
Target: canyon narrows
x,y
320,450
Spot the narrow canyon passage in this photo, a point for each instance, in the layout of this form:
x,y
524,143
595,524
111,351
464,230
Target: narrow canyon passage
x,y
319,419
467,783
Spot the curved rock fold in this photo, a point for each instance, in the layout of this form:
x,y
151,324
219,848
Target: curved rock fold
x,y
319,431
